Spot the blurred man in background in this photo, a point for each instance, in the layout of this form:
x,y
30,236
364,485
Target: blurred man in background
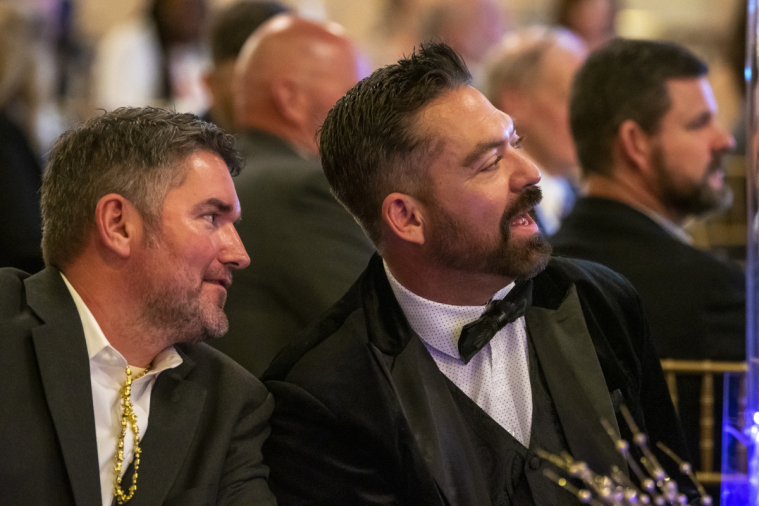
x,y
644,120
592,20
471,27
529,77
228,30
306,250
20,170
156,60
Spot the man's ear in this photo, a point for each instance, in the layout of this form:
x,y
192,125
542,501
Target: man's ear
x,y
404,216
636,145
118,224
290,99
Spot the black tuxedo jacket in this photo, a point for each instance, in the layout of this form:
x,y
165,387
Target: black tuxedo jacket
x,y
364,416
305,251
696,303
208,417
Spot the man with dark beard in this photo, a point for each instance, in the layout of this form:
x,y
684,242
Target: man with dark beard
x,y
644,121
101,366
463,347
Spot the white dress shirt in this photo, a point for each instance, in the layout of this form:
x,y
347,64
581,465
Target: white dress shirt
x,y
108,374
498,376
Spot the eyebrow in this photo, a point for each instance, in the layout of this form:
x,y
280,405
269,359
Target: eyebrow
x,y
701,120
481,149
215,203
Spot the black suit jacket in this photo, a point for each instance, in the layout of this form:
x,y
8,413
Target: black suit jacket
x,y
364,416
305,251
208,417
696,303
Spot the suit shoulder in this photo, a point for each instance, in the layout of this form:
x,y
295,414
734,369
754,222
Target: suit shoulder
x,y
705,261
284,175
11,275
279,164
593,281
216,369
563,270
12,291
341,321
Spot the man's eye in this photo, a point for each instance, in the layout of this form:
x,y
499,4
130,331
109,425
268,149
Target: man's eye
x,y
494,164
697,125
211,217
516,142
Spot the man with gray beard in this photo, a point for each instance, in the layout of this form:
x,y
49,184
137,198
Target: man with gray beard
x,y
108,394
651,147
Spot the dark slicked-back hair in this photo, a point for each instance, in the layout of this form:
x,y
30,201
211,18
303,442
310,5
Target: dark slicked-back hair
x,y
371,145
624,80
134,152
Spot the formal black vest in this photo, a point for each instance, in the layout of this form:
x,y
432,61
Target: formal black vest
x,y
514,473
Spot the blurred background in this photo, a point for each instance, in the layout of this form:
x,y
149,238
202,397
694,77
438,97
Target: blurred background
x,y
64,60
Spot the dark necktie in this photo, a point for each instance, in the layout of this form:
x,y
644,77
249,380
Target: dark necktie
x,y
498,314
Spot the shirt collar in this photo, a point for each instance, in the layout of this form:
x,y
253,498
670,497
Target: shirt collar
x,y
670,227
99,349
438,325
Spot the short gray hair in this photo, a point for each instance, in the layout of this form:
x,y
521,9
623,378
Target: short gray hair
x,y
516,62
133,152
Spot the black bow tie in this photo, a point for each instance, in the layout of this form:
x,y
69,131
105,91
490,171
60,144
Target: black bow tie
x,y
498,314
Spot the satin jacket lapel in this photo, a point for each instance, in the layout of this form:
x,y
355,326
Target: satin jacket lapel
x,y
175,409
435,422
65,370
422,392
575,381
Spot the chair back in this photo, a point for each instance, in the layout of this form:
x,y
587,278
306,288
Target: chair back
x,y
707,369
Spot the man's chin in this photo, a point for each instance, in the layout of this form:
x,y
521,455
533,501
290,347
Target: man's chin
x,y
531,255
708,201
214,325
522,257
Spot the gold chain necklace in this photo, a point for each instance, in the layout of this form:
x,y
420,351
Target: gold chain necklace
x,y
128,416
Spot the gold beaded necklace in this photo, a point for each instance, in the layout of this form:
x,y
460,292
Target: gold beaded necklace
x,y
128,416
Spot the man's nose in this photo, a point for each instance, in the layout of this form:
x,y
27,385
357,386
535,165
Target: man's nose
x,y
233,253
725,141
525,174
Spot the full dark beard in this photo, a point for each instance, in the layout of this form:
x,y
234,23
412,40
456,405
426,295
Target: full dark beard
x,y
694,199
453,245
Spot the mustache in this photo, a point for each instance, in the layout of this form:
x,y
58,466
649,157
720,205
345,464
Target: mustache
x,y
717,164
527,200
222,272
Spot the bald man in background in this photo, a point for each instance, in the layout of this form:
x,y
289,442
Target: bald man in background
x,y
529,77
228,30
306,250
